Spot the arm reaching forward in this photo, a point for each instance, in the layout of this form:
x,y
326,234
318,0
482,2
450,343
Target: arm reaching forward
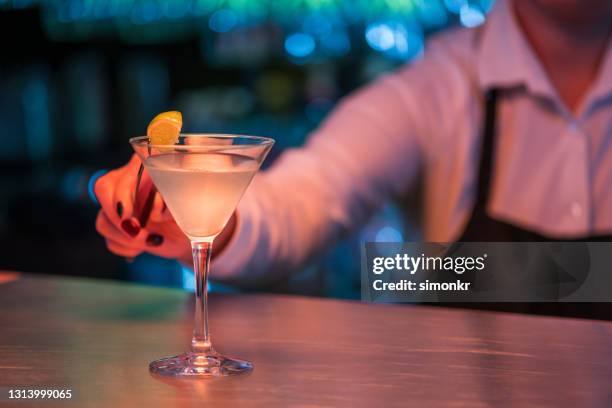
x,y
365,152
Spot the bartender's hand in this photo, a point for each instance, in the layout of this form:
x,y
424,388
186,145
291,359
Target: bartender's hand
x,y
118,224
122,231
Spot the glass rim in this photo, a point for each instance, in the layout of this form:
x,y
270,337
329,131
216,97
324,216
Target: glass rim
x,y
262,141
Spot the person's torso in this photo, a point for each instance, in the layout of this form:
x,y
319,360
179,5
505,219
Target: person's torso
x,y
552,171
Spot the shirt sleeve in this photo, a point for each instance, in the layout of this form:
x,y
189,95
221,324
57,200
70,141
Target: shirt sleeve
x,y
368,150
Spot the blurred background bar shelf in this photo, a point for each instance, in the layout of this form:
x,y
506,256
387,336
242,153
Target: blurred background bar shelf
x,y
79,77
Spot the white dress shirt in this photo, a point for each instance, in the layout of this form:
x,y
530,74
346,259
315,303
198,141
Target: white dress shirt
x,y
552,169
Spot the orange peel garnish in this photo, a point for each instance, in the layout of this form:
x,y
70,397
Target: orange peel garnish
x,y
165,128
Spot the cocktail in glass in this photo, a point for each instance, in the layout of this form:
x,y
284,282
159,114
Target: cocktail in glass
x,y
201,179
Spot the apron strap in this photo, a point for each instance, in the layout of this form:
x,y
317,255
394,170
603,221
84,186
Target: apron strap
x,y
487,153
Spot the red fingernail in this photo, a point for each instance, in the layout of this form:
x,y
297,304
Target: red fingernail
x,y
155,240
131,226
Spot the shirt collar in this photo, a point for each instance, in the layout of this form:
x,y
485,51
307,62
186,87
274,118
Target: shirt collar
x,y
505,59
602,87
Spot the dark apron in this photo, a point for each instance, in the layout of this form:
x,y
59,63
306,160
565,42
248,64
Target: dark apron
x,y
482,228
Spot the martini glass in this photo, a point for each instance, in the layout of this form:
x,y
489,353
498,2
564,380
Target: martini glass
x,y
201,179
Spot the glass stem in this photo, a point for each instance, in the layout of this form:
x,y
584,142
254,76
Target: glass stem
x,y
200,343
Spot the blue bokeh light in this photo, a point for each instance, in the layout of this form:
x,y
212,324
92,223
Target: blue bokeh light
x,y
380,36
395,39
471,16
92,182
222,21
389,234
188,278
454,6
300,45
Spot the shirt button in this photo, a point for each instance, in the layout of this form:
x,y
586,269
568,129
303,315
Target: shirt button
x,y
576,210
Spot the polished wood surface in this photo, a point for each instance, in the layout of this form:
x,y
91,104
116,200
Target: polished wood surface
x,y
97,338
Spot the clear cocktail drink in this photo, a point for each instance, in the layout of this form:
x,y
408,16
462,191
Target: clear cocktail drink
x,y
201,190
201,179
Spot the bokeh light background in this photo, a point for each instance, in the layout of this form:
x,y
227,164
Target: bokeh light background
x,y
79,77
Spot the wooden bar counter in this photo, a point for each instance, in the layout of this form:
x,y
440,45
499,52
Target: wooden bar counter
x,y
98,337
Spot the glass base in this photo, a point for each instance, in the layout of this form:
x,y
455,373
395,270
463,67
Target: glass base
x,y
192,365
